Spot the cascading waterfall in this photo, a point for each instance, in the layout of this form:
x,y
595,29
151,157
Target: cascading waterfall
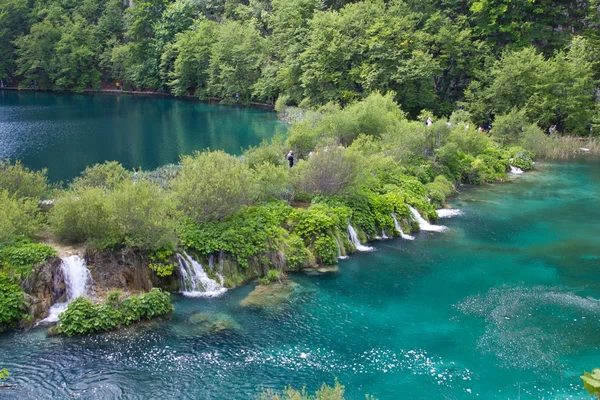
x,y
383,234
194,280
448,212
354,239
399,229
515,170
77,280
211,266
424,225
339,245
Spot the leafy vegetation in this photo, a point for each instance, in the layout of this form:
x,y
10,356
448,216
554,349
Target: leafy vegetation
x,y
12,301
591,382
19,258
83,317
326,392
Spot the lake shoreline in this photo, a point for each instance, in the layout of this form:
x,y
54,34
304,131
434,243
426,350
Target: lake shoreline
x,y
210,100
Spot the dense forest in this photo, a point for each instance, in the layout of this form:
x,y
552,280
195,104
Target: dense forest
x,y
488,56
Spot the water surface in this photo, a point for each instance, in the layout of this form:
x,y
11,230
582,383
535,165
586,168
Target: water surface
x,y
503,305
66,133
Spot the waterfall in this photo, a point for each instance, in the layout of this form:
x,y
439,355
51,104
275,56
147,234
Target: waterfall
x,y
354,239
194,280
424,225
77,279
400,231
339,245
383,235
515,170
448,212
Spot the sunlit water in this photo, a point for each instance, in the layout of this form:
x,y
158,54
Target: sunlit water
x,y
503,304
66,133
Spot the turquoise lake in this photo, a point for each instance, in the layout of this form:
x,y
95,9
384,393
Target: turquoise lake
x,y
503,305
66,133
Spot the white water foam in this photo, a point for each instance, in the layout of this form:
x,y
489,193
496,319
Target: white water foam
x,y
354,239
448,212
399,229
194,280
77,279
424,225
515,170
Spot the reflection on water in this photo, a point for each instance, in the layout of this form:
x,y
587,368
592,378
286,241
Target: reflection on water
x,y
448,315
66,132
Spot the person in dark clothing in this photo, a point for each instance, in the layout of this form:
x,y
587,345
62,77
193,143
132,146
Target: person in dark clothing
x,y
290,157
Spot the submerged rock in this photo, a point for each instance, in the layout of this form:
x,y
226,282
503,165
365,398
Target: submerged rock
x,y
214,323
270,295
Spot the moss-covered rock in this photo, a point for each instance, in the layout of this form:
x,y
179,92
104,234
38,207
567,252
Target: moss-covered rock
x,y
272,295
214,323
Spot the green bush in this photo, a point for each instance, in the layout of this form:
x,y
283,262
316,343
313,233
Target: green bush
x,y
83,214
20,258
326,392
328,172
213,185
142,216
83,317
248,233
12,301
272,276
521,158
107,175
272,152
22,182
139,216
161,262
18,217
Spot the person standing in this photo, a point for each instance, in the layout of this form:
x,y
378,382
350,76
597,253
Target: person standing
x,y
136,176
290,158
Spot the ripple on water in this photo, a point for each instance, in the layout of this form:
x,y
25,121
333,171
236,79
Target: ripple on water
x,y
533,327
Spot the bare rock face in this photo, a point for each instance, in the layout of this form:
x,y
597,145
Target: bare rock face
x,y
45,287
127,270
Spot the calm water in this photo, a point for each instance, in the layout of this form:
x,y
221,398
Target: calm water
x,y
501,305
66,132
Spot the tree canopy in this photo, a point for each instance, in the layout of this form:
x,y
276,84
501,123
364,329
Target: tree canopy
x,y
485,56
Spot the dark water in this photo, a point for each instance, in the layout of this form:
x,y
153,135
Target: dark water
x,y
503,305
66,132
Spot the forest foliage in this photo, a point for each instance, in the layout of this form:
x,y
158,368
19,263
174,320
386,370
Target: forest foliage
x,y
488,57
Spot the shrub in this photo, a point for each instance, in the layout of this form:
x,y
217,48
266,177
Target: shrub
x,y
130,215
83,214
22,182
328,172
267,152
11,301
272,181
213,185
107,175
324,393
272,276
248,233
161,262
18,217
141,215
20,258
521,158
84,317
